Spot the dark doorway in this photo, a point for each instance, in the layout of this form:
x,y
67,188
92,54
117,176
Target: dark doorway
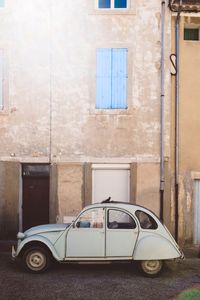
x,y
35,197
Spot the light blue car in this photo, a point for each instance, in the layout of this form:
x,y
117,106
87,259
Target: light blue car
x,y
109,231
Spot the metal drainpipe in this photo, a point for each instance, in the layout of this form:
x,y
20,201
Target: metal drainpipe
x,y
177,28
162,117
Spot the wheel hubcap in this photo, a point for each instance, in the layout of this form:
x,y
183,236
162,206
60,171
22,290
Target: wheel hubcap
x,y
36,260
152,266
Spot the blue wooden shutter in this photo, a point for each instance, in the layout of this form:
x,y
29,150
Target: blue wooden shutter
x,y
1,79
103,80
1,3
104,3
119,78
120,4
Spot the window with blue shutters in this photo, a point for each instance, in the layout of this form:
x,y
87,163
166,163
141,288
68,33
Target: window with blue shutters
x,y
2,3
111,78
112,3
1,79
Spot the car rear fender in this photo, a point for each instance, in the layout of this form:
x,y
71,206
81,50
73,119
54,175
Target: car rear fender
x,y
41,240
150,247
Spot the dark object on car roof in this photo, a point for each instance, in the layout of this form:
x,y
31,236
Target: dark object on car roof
x,y
107,200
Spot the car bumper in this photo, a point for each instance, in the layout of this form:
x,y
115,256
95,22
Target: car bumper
x,y
14,253
181,257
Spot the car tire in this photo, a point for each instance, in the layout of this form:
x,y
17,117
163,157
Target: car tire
x,y
151,268
36,259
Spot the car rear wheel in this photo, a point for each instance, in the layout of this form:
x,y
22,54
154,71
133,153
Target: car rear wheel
x,y
151,268
36,259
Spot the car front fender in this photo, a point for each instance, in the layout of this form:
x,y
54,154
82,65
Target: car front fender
x,y
35,239
152,247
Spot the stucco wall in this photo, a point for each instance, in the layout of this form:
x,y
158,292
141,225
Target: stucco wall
x,y
50,116
70,190
148,186
189,122
51,64
9,199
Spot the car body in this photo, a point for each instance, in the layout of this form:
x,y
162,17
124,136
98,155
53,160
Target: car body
x,y
108,231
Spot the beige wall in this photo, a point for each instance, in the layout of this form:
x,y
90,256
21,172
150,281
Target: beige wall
x,y
189,127
70,190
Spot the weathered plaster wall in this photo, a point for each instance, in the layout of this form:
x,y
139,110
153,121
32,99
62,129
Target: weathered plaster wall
x,y
24,36
50,49
9,199
189,150
88,133
70,190
51,64
147,193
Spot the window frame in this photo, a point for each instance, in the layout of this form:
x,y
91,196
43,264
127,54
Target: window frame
x,y
191,26
88,211
154,222
122,211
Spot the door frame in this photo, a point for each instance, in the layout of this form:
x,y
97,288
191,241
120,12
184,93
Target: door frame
x,y
20,199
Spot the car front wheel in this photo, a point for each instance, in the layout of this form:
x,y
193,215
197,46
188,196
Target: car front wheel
x,y
151,268
36,260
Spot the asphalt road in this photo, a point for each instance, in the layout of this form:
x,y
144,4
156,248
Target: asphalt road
x,y
98,282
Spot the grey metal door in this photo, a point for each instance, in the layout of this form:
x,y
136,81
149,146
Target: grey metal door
x,y
197,211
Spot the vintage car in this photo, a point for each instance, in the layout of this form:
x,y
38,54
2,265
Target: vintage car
x,y
106,232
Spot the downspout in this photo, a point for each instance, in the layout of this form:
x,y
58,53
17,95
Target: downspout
x,y
162,117
177,29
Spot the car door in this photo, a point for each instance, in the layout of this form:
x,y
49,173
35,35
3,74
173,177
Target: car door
x,y
121,234
86,238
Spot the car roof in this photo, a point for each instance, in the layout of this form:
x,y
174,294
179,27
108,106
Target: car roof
x,y
124,205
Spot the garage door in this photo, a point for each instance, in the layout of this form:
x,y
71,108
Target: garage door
x,y
110,180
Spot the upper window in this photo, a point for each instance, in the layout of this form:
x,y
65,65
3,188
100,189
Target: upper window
x,y
93,218
2,3
111,78
119,220
146,221
112,3
1,79
191,34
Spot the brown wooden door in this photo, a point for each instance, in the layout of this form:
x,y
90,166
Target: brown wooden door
x,y
35,199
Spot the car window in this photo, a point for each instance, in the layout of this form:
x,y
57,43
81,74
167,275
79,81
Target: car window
x,y
146,221
119,220
93,218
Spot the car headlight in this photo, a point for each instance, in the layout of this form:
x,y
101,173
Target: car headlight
x,y
20,236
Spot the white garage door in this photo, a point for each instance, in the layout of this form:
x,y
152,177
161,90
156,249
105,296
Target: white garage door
x,y
110,180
